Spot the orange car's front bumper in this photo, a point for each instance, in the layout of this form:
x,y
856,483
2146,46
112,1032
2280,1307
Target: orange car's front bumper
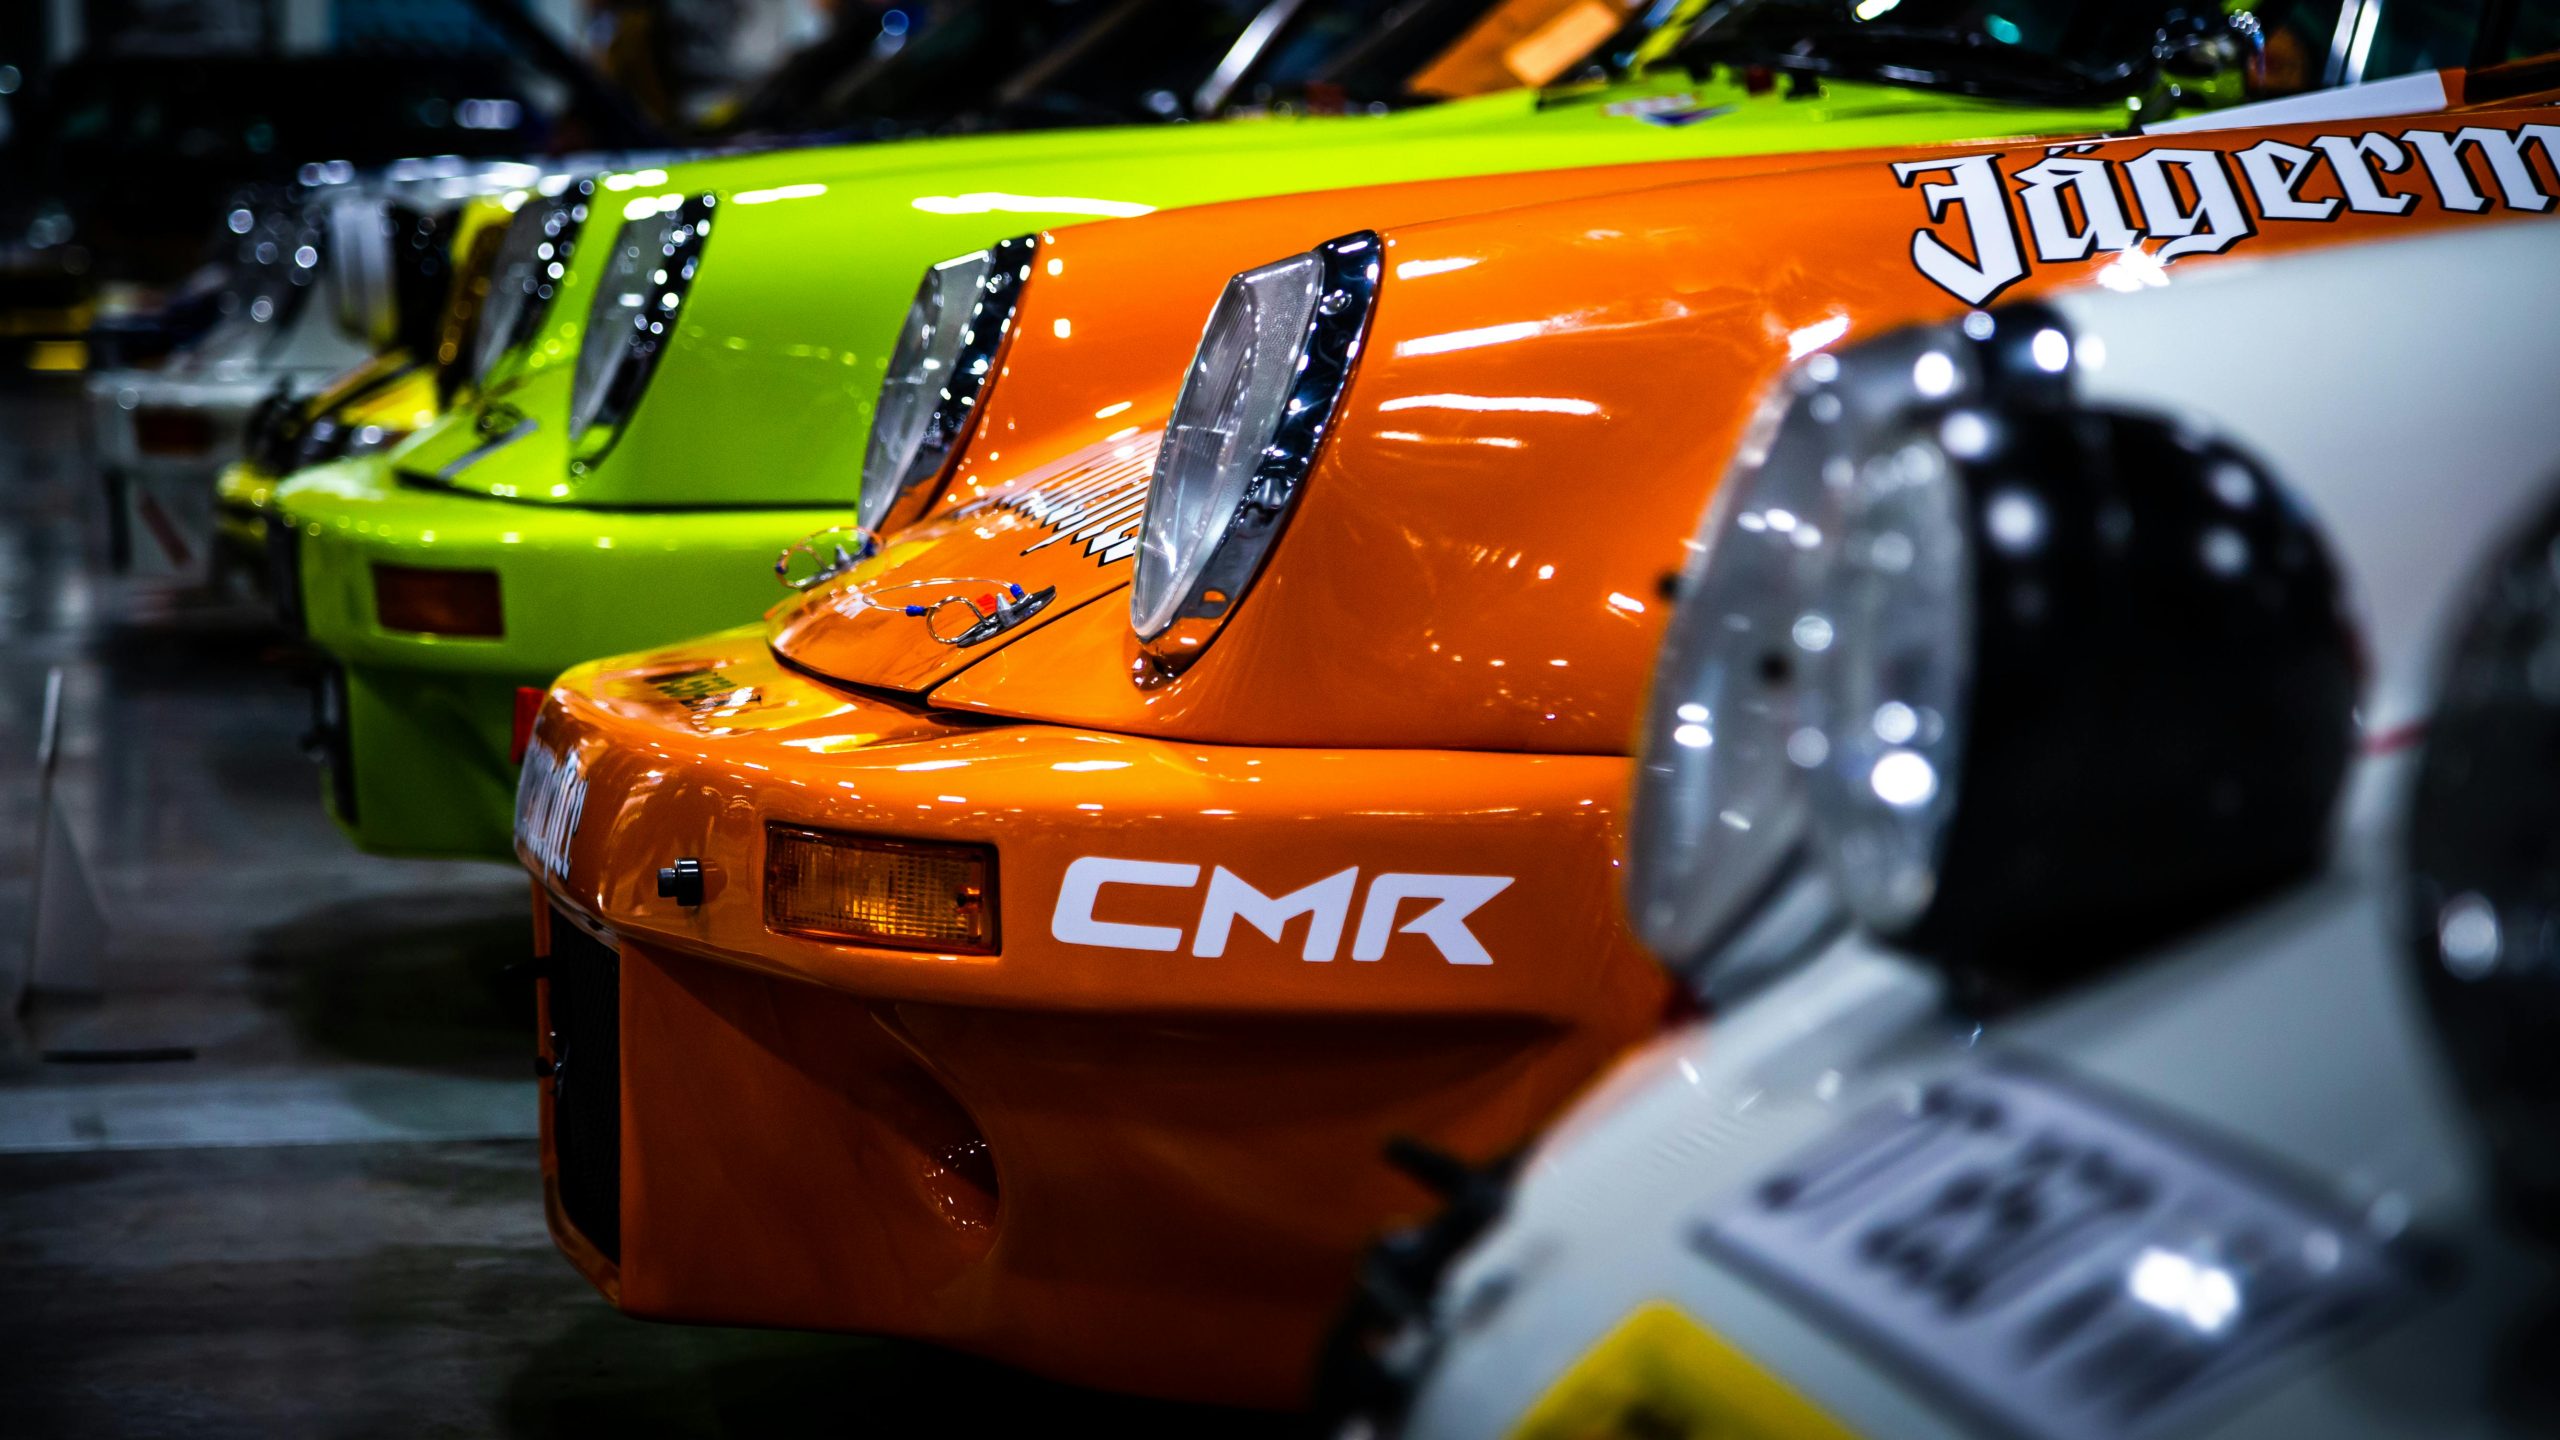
x,y
1111,1151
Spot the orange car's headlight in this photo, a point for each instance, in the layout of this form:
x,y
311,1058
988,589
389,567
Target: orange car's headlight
x,y
526,275
898,894
1254,407
945,358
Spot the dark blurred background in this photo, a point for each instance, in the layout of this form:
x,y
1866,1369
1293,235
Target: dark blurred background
x,y
127,127
269,1168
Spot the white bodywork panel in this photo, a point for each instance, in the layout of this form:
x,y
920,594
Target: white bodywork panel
x,y
2405,392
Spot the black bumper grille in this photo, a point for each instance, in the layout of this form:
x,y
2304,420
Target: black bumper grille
x,y
328,741
284,574
586,1084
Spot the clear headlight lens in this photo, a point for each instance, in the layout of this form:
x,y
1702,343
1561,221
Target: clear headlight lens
x,y
919,369
359,251
1896,622
532,262
614,316
1719,807
1261,390
1230,405
2018,682
2483,888
1742,707
945,355
632,319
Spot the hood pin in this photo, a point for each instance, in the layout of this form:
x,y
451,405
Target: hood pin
x,y
835,559
990,614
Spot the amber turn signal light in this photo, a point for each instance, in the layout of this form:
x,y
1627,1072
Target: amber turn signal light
x,y
898,894
438,602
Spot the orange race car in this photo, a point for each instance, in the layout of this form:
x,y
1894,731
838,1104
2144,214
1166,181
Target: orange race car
x,y
1031,937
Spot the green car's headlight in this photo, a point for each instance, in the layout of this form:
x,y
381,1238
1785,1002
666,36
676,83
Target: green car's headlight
x,y
1259,397
632,320
946,353
527,274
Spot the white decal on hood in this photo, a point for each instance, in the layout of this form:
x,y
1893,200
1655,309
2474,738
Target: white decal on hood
x,y
1326,904
2078,203
1097,503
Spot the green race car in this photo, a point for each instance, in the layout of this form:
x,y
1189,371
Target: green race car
x,y
691,386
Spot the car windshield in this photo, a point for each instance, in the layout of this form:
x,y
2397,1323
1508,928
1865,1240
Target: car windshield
x,y
1142,57
1175,57
968,64
1366,52
1443,49
2026,49
1392,37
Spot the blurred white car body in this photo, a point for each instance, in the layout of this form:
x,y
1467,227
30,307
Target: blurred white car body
x,y
2270,1085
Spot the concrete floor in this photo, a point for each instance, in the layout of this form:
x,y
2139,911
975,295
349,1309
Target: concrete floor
x,y
317,1213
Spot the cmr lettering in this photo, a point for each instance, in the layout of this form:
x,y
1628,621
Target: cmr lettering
x,y
551,797
1326,906
2077,203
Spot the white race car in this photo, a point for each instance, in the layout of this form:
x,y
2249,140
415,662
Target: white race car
x,y
2105,775
316,288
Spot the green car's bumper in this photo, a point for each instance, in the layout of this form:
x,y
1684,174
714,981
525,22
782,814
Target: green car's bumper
x,y
418,730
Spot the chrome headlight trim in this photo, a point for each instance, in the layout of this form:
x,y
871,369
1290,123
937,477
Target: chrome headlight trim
x,y
1179,602
531,267
631,322
2481,895
1894,683
1704,859
896,471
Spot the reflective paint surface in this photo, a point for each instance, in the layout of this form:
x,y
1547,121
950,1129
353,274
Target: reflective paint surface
x,y
1287,955
1478,561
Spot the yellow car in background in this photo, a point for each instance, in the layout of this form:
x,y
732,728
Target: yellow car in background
x,y
364,269
373,404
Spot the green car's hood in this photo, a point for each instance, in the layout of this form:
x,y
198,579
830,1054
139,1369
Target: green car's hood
x,y
765,398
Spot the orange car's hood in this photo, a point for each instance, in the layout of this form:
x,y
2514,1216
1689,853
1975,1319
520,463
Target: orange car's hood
x,y
1544,399
1101,343
903,619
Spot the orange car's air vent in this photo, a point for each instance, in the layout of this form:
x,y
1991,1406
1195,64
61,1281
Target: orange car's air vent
x,y
585,979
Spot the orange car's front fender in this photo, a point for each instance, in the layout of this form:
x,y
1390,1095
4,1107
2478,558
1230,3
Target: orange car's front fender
x,y
1138,1167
